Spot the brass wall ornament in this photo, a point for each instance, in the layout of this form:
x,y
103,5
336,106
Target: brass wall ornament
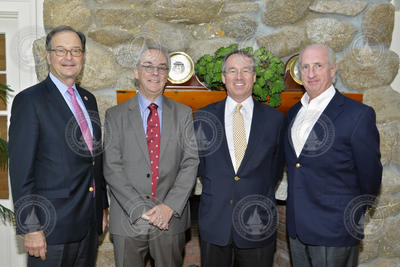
x,y
293,69
181,69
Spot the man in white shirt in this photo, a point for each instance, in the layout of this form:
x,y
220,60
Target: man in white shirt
x,y
334,169
240,147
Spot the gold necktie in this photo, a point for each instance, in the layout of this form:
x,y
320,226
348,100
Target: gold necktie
x,y
239,136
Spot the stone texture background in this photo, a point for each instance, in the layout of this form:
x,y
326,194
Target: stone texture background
x,y
359,31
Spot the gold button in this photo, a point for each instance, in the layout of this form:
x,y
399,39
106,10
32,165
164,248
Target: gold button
x,y
90,189
231,201
236,178
93,163
298,165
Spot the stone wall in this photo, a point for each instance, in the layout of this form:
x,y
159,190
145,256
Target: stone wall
x,y
359,31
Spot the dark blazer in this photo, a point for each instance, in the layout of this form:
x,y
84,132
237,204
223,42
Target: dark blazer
x,y
258,173
325,178
46,160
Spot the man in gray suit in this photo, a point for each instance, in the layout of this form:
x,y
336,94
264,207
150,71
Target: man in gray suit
x,y
150,164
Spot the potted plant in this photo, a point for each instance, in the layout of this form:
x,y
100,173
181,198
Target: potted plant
x,y
269,71
5,213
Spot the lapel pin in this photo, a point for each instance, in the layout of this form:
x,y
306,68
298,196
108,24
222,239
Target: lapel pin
x,y
85,97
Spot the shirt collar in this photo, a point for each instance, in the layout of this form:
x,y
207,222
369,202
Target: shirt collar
x,y
60,85
326,96
231,104
144,102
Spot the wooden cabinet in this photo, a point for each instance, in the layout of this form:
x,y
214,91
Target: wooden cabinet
x,y
200,98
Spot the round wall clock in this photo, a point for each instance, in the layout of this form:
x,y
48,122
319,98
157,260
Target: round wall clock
x,y
182,67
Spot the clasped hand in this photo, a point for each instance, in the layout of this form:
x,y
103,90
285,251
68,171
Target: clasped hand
x,y
159,216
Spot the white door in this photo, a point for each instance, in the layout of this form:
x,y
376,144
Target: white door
x,y
20,23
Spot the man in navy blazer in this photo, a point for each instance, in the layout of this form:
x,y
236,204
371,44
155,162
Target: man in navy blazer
x,y
56,174
237,213
334,168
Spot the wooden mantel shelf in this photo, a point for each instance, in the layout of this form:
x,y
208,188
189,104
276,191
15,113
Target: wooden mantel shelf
x,y
197,99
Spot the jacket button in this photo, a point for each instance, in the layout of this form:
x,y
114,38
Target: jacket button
x,y
148,197
93,163
90,189
148,175
236,178
298,165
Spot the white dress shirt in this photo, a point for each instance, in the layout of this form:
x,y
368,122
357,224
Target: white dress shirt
x,y
307,116
247,112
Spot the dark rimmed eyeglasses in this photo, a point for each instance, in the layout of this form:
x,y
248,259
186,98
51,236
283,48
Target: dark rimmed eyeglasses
x,y
75,52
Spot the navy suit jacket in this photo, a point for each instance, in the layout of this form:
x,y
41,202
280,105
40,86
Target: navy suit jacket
x,y
340,163
258,173
45,160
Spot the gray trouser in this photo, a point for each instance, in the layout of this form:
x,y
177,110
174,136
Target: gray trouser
x,y
165,249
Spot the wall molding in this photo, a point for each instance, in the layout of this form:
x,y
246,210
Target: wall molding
x,y
8,14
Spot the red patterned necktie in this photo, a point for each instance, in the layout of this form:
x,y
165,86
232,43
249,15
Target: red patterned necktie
x,y
153,144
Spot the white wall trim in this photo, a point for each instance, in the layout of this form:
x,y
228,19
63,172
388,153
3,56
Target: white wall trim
x,y
8,14
20,20
395,46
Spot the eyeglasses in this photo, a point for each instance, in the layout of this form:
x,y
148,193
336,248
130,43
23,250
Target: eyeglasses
x,y
151,68
245,71
61,52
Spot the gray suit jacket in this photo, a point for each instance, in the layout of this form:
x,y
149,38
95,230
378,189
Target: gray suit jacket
x,y
127,168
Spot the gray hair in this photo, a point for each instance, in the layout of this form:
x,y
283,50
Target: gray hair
x,y
331,54
147,47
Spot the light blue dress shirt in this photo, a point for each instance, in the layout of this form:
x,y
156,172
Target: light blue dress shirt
x,y
145,111
67,97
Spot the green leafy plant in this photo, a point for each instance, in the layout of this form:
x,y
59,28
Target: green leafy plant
x,y
269,70
5,214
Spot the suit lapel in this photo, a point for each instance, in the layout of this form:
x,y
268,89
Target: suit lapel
x,y
167,122
89,105
255,129
291,117
220,113
328,116
335,107
137,128
92,110
54,98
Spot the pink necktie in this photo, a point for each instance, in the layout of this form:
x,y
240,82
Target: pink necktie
x,y
153,144
84,127
81,121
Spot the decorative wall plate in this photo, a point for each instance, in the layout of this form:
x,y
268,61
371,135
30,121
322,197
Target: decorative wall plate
x,y
182,67
293,69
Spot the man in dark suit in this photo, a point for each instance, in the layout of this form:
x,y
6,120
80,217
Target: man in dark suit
x,y
150,164
334,169
241,159
56,173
